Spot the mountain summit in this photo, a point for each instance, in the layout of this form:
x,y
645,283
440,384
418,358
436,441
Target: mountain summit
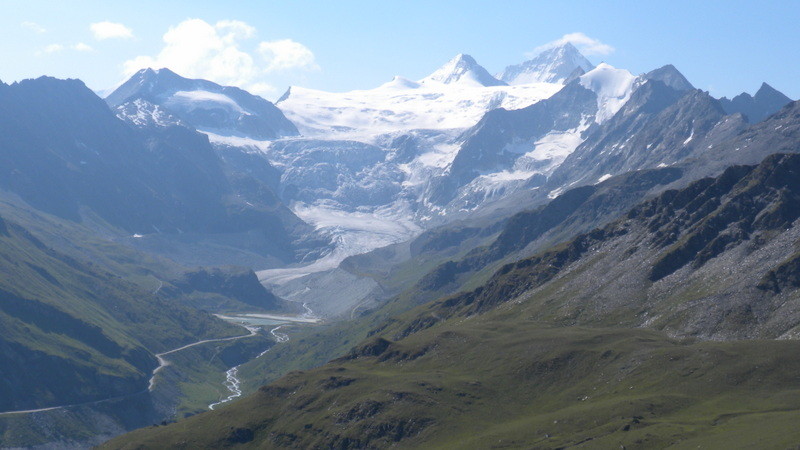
x,y
758,107
554,65
225,110
462,70
671,77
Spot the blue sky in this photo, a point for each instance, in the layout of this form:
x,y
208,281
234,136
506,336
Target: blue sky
x,y
723,46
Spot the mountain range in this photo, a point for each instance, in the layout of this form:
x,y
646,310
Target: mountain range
x,y
560,254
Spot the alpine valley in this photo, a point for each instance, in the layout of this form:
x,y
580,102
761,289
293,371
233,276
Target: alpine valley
x,y
562,254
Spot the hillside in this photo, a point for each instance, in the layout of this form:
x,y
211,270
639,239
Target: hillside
x,y
642,332
74,332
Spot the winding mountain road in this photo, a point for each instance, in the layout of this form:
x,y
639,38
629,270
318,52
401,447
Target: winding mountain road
x,y
162,362
231,382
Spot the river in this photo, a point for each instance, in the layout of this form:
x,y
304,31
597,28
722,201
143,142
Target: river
x,y
232,381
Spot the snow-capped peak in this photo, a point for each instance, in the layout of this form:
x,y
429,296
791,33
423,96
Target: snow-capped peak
x,y
148,82
462,70
553,65
205,105
611,85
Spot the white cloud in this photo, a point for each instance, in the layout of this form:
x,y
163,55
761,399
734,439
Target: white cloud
x,y
587,45
33,26
110,30
286,54
221,53
53,48
81,47
234,29
57,48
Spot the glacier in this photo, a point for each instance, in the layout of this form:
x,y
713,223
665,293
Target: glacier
x,y
366,165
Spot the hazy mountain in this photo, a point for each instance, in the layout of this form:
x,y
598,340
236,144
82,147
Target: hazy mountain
x,y
779,132
657,127
498,140
203,104
65,152
508,147
756,108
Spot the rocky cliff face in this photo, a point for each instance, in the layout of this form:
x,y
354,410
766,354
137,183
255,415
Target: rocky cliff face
x,y
721,244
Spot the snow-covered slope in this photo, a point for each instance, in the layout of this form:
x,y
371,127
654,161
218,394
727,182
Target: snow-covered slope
x,y
409,152
456,95
142,113
375,155
612,86
554,65
509,150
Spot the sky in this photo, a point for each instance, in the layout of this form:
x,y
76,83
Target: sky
x,y
725,47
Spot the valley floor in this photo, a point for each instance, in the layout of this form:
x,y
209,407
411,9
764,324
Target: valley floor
x,y
492,383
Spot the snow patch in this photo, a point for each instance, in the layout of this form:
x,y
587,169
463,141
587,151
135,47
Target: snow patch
x,y
603,178
399,82
555,193
613,88
204,100
557,145
142,113
689,139
441,156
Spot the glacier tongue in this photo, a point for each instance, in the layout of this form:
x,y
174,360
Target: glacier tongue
x,y
353,232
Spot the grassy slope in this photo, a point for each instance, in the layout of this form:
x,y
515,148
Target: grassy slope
x,y
77,317
502,380
81,278
312,347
